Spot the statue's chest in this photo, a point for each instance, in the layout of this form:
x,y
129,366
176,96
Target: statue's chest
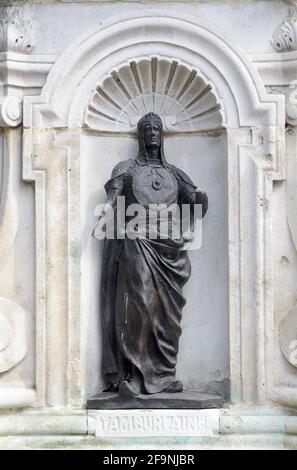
x,y
153,185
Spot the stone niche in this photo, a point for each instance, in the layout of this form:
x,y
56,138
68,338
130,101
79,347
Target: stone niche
x,y
224,130
204,355
196,142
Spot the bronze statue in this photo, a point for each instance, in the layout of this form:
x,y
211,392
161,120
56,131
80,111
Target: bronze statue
x,y
142,278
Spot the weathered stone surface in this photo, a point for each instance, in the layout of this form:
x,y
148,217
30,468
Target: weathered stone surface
x,y
52,165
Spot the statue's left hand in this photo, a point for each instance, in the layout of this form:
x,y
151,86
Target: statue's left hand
x,y
199,190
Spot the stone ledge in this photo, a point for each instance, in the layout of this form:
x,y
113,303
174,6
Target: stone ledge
x,y
250,442
43,423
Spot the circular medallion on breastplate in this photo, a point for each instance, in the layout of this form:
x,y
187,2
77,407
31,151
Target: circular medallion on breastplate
x,y
154,185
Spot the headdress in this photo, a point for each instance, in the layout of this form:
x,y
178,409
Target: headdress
x,y
153,120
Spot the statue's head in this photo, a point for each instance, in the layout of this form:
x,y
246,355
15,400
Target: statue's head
x,y
150,134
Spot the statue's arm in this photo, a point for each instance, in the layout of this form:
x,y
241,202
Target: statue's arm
x,y
190,192
113,188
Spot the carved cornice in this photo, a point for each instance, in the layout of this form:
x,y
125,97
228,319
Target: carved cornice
x,y
285,37
20,75
279,74
24,74
276,69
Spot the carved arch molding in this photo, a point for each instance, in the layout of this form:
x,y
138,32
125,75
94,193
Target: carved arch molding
x,y
197,80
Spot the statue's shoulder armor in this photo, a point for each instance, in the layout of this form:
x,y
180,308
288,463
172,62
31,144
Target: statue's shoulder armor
x,y
180,175
121,168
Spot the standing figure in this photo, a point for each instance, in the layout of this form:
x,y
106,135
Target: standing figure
x,y
143,277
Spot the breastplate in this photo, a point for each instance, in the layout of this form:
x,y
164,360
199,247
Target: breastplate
x,y
154,185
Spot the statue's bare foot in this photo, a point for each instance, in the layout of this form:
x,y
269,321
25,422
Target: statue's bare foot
x,y
174,387
129,388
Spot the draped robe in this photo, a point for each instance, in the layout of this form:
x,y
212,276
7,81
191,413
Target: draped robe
x,y
141,291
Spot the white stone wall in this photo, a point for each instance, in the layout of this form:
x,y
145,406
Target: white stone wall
x,y
240,319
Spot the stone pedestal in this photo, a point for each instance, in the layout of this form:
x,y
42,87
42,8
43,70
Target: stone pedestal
x,y
176,401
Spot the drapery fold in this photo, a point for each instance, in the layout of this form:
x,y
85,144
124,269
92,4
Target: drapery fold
x,y
141,326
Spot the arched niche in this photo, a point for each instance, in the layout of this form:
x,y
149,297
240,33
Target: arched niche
x,y
72,120
195,140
